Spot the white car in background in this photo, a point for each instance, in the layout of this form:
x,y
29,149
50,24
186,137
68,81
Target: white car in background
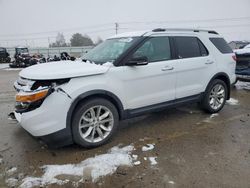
x,y
126,76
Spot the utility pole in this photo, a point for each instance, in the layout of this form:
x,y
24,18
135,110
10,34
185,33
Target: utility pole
x,y
116,28
49,41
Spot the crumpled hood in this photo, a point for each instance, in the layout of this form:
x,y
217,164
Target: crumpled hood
x,y
62,69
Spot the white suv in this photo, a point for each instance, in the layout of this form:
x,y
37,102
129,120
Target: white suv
x,y
126,76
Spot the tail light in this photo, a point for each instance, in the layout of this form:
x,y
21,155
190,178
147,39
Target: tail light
x,y
234,57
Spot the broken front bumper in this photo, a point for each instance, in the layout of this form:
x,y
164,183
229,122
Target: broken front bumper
x,y
49,118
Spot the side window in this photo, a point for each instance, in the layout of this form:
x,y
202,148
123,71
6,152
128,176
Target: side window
x,y
203,49
155,49
221,45
188,47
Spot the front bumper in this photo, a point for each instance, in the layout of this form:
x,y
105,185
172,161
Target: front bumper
x,y
49,118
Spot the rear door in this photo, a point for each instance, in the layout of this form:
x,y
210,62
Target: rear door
x,y
195,66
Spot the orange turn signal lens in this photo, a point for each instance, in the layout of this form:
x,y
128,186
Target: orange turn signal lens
x,y
31,97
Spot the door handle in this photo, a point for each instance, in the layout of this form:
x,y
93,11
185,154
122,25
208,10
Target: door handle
x,y
167,68
209,62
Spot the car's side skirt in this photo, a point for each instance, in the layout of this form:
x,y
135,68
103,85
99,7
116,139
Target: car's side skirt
x,y
130,113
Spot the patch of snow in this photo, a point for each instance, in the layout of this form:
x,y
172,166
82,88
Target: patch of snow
x,y
11,171
145,158
242,51
96,167
108,64
137,163
171,182
213,115
242,85
1,160
232,101
135,157
148,147
152,160
11,182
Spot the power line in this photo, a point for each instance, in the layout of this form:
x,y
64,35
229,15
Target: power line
x,y
109,24
58,30
53,37
188,21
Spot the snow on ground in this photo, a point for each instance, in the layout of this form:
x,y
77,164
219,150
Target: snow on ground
x,y
135,157
242,85
148,147
11,182
171,182
209,119
137,163
232,101
152,160
4,65
11,171
213,115
96,167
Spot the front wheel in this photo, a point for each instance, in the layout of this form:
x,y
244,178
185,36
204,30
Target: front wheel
x,y
215,96
94,122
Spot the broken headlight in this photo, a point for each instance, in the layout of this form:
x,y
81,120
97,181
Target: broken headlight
x,y
31,94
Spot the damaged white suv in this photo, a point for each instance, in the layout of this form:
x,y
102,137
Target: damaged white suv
x,y
126,76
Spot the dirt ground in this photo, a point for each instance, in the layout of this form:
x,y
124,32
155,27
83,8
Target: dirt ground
x,y
192,148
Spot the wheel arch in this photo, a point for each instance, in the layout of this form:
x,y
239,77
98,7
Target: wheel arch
x,y
224,77
94,94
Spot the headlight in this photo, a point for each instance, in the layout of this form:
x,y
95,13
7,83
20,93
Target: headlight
x,y
31,97
27,101
31,94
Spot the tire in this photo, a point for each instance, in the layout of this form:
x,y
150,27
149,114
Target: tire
x,y
86,116
209,103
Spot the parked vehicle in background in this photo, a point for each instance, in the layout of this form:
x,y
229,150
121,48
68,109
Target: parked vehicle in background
x,y
243,64
22,58
37,58
4,56
126,76
63,57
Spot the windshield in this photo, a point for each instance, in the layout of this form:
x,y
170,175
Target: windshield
x,y
22,50
109,50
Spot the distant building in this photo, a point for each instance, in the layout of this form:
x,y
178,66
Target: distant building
x,y
238,44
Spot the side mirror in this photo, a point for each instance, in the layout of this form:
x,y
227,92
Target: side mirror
x,y
137,61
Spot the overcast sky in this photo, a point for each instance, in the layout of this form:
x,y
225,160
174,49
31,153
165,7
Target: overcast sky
x,y
35,22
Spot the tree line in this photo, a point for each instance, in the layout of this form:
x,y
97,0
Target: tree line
x,y
77,39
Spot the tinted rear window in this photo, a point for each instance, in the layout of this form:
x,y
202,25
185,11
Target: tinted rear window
x,y
188,47
221,45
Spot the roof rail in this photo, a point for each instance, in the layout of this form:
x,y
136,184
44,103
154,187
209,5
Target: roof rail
x,y
184,29
159,30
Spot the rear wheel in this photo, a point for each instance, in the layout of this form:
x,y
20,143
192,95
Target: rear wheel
x,y
215,96
94,123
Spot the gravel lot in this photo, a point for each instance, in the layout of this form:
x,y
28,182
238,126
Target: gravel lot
x,y
186,148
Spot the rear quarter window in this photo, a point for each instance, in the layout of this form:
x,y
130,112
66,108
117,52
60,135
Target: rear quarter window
x,y
221,45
